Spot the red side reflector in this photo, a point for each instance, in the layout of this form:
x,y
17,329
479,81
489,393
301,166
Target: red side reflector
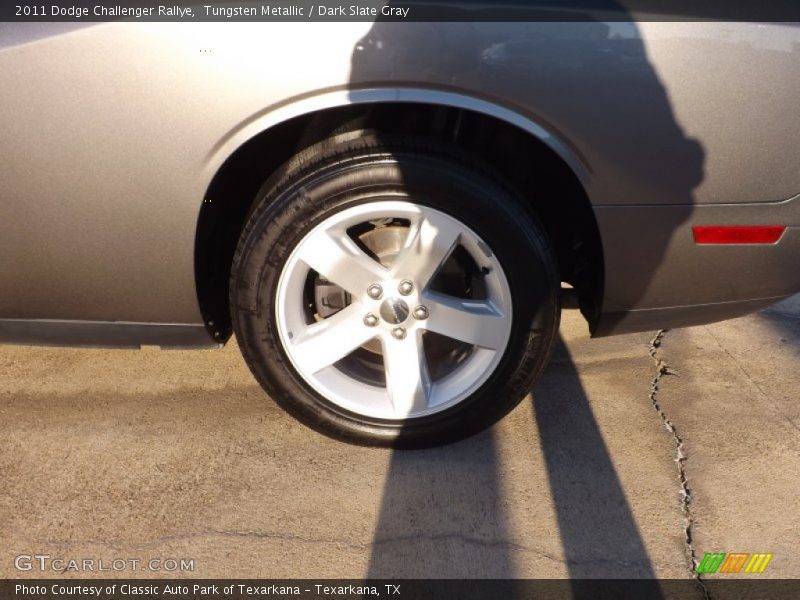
x,y
724,234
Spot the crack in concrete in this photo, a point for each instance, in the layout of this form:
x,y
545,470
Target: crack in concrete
x,y
662,369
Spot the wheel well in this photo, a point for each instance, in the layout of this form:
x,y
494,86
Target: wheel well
x,y
553,192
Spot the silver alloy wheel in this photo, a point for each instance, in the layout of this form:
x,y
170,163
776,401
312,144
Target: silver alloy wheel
x,y
397,320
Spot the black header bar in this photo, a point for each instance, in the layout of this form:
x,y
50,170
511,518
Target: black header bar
x,y
786,11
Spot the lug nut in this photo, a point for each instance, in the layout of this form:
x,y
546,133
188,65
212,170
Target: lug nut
x,y
421,312
375,291
399,333
405,287
370,320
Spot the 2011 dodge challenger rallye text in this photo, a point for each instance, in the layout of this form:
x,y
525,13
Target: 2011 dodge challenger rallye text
x,y
390,216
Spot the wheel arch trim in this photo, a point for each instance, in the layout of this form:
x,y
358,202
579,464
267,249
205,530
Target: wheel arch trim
x,y
304,105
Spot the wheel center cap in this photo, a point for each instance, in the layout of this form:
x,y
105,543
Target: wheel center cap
x,y
394,310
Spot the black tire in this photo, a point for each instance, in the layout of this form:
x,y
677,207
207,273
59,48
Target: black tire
x,y
349,169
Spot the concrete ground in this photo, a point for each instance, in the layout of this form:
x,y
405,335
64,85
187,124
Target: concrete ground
x,y
178,454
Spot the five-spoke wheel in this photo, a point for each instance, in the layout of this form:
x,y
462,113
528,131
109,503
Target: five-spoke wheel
x,y
380,261
392,291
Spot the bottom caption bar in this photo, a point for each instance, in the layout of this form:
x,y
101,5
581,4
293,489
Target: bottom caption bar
x,y
416,589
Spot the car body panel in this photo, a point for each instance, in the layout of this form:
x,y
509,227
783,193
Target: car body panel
x,y
652,261
113,132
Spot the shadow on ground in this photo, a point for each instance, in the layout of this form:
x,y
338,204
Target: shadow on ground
x,y
446,505
785,319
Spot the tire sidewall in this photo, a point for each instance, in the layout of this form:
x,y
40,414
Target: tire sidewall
x,y
287,212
